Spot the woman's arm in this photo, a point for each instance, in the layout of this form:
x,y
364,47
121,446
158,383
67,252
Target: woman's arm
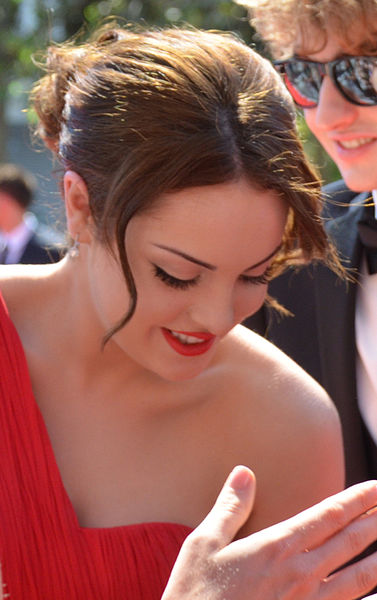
x,y
290,560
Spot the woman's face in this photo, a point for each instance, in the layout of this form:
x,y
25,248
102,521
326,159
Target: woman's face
x,y
200,261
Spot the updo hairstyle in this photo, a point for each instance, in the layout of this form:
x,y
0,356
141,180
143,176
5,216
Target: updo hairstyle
x,y
139,113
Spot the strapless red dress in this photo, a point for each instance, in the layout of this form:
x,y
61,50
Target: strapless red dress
x,y
45,554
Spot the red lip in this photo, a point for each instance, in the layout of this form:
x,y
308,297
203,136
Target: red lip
x,y
189,349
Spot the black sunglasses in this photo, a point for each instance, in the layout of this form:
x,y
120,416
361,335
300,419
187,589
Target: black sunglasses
x,y
354,76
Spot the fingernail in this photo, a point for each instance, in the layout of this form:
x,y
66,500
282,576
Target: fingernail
x,y
240,478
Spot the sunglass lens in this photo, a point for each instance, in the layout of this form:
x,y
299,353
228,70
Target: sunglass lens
x,y
357,79
303,80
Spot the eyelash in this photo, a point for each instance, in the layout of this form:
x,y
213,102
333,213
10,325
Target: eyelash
x,y
174,282
184,284
257,279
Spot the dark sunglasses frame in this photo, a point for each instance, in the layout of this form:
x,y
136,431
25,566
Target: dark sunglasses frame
x,y
329,68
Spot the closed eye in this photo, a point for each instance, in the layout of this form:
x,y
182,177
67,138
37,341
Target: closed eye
x,y
174,282
262,279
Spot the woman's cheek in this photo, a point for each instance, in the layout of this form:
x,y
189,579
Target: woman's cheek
x,y
250,301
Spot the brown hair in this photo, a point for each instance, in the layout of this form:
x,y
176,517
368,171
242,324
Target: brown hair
x,y
284,24
141,113
18,183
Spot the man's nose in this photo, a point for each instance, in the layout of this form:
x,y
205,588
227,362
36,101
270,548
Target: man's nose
x,y
333,110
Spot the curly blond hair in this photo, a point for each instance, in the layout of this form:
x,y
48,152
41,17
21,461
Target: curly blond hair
x,y
288,26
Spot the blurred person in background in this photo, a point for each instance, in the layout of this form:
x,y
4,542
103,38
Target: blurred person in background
x,y
22,238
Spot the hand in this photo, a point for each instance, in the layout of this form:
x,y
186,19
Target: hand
x,y
291,560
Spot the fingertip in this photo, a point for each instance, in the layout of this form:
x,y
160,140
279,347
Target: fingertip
x,y
241,478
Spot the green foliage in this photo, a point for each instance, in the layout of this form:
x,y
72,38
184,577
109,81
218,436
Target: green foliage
x,y
207,14
327,168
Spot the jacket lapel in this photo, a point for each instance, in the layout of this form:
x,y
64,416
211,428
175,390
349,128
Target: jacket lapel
x,y
335,314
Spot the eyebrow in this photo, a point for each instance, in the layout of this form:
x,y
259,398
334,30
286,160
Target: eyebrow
x,y
202,263
265,259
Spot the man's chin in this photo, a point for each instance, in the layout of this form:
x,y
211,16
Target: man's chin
x,y
357,183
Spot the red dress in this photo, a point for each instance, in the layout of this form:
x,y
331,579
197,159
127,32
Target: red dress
x,y
45,554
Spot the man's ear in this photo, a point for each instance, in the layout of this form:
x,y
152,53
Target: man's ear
x,y
77,208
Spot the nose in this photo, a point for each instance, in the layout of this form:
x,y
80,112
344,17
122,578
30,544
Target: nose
x,y
333,110
214,312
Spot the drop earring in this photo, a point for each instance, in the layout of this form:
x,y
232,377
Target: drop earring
x,y
74,250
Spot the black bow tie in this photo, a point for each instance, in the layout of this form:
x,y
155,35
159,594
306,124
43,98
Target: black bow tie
x,y
368,235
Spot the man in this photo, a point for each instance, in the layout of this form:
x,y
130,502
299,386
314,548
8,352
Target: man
x,y
22,239
333,334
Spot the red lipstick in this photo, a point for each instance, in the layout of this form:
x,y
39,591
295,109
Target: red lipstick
x,y
187,349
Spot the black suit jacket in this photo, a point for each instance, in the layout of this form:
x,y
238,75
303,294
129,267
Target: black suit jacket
x,y
321,334
39,250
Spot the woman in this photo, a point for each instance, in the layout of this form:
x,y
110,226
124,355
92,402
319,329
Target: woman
x,y
186,190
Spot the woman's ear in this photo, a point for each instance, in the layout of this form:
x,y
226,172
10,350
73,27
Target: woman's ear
x,y
77,207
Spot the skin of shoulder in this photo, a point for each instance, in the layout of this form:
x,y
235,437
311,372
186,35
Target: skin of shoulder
x,y
20,282
284,427
30,296
14,278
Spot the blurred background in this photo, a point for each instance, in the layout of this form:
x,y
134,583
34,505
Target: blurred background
x,y
28,26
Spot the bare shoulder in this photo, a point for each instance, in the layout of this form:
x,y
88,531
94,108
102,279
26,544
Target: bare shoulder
x,y
257,366
286,429
23,287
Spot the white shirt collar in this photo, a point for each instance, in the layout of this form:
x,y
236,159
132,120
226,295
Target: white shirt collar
x,y
17,239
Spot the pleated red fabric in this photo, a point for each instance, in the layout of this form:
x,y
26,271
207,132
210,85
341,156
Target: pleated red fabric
x,y
45,554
